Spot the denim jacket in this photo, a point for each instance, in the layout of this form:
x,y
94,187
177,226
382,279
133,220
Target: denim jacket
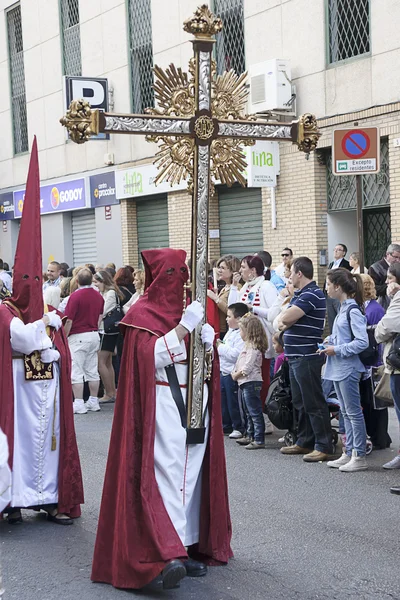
x,y
346,359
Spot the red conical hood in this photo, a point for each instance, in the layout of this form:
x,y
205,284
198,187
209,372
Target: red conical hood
x,y
27,293
160,308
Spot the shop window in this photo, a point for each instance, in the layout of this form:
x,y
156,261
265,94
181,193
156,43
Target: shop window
x,y
141,54
17,78
348,28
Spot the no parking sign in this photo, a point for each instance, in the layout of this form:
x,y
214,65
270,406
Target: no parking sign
x,y
355,151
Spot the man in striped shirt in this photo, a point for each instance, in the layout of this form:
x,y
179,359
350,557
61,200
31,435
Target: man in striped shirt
x,y
303,324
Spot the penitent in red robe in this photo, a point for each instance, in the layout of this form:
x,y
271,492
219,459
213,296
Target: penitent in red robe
x,y
70,486
135,537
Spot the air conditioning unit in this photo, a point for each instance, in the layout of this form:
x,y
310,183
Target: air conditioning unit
x,y
270,86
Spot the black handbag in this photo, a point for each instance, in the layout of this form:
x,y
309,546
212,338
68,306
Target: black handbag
x,y
393,357
369,357
113,318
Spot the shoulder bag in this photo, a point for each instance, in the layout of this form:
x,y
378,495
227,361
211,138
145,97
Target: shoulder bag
x,y
369,357
113,318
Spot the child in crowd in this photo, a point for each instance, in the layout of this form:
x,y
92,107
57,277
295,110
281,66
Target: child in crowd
x,y
229,350
277,343
247,373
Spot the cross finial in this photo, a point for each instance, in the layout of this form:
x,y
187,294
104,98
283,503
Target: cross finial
x,y
203,24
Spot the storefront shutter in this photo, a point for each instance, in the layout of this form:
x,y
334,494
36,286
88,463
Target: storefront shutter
x,y
240,221
152,222
84,246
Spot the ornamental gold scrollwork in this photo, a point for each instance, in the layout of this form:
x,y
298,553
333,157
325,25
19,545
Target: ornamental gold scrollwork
x,y
203,24
308,133
80,121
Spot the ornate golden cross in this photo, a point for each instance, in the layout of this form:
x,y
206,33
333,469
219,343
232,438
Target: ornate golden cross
x,y
201,123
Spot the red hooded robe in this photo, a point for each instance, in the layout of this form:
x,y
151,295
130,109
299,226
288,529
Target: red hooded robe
x,y
26,303
135,537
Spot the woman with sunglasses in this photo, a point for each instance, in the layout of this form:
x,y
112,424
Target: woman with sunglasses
x,y
259,294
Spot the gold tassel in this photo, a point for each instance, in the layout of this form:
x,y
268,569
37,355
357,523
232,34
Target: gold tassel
x,y
53,437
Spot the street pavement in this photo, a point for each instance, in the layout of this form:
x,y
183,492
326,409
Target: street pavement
x,y
300,532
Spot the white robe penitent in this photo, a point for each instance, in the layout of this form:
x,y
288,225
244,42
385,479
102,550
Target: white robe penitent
x,y
178,467
35,464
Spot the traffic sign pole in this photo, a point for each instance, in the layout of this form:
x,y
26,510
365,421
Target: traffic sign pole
x,y
360,222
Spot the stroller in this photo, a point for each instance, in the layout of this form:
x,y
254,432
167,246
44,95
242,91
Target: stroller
x,y
280,410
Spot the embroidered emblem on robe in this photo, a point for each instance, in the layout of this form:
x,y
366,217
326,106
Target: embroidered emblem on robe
x,y
35,369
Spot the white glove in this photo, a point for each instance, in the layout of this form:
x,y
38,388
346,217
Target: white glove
x,y
54,320
207,336
192,316
49,356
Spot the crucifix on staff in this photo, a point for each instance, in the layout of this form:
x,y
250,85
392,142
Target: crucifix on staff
x,y
201,123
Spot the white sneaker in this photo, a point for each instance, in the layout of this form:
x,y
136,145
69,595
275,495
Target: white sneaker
x,y
79,407
235,435
93,404
356,463
281,440
269,428
343,460
393,464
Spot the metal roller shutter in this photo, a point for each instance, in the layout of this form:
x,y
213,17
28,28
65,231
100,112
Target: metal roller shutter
x,y
240,221
152,222
84,247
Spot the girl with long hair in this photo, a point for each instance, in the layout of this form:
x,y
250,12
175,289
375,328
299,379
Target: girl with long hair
x,y
259,294
112,296
247,373
344,367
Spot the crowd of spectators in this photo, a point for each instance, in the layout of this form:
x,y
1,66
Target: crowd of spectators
x,y
265,317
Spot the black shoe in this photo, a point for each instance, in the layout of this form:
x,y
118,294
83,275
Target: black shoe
x,y
172,574
194,568
395,490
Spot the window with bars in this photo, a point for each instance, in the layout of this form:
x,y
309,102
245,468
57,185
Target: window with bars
x,y
349,28
71,37
230,42
375,188
141,54
17,77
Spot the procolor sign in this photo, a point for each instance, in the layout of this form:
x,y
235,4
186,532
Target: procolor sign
x,y
102,189
58,197
6,206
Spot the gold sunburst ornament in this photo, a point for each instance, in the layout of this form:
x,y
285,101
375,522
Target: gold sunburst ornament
x,y
175,96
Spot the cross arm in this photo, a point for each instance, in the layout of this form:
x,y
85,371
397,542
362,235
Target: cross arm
x,y
303,132
83,122
259,130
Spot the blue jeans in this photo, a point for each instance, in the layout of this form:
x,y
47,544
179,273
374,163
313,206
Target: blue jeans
x,y
252,405
395,389
231,417
348,393
314,424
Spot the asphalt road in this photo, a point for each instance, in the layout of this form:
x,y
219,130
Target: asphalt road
x,y
301,532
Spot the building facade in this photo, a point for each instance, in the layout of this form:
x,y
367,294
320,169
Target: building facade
x,y
344,69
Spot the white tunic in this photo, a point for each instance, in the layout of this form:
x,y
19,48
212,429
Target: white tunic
x,y
178,467
35,465
5,475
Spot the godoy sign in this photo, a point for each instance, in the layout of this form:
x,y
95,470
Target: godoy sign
x,y
58,197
